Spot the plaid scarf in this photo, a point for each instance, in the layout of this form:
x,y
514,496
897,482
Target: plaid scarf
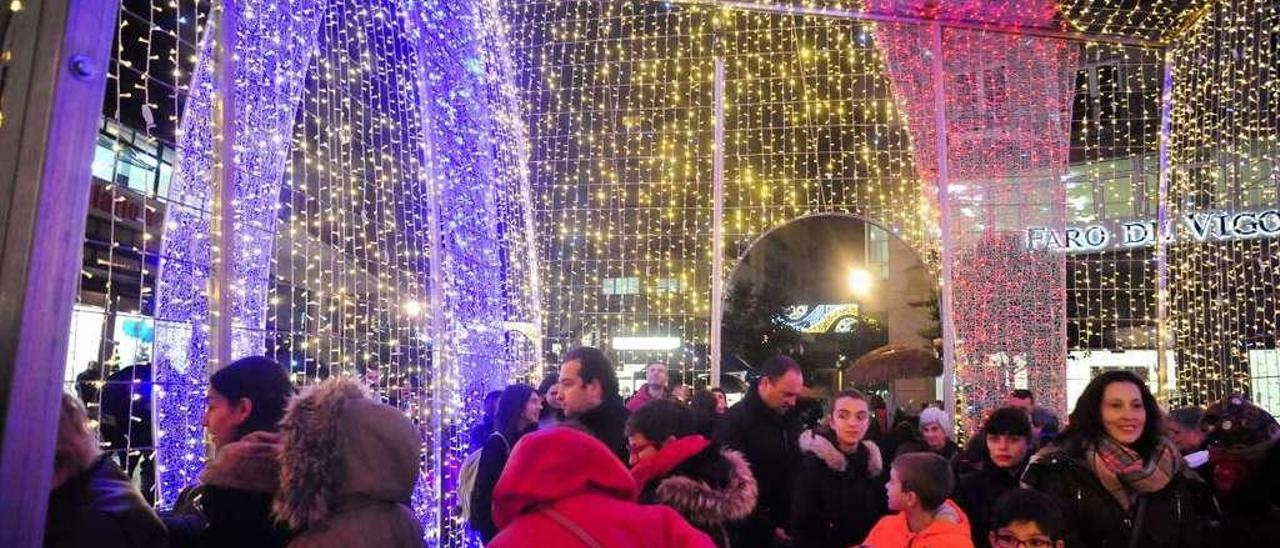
x,y
1124,473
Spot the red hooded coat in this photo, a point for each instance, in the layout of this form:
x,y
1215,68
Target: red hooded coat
x,y
572,473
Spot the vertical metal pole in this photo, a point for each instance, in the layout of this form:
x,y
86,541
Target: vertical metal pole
x,y
55,60
717,225
1162,244
944,209
440,389
223,182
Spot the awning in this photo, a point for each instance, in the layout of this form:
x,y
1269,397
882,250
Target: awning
x,y
892,362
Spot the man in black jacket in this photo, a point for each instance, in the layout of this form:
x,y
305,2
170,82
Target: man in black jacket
x,y
589,392
765,428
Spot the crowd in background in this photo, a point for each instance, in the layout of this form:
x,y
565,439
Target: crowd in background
x,y
571,463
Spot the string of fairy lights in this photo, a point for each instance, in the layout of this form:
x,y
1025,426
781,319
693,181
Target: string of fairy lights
x,y
273,44
1003,149
812,128
619,113
332,266
1225,155
484,298
620,105
598,96
613,105
1114,177
350,271
155,49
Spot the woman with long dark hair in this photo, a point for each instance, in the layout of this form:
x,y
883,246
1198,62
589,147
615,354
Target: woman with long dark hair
x,y
518,409
551,413
1119,480
231,506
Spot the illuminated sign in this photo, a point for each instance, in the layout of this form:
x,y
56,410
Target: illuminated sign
x,y
1202,227
822,318
120,203
646,343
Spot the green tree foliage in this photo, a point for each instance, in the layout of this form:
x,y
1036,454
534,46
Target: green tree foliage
x,y
752,327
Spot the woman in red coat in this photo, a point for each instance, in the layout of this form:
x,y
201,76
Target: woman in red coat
x,y
562,487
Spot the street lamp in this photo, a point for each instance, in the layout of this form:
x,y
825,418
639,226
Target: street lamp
x,y
860,282
412,308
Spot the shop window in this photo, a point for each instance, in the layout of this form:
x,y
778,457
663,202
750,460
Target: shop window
x,y
621,286
667,285
1117,196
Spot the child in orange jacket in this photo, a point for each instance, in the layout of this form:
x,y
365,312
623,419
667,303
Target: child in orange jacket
x,y
919,484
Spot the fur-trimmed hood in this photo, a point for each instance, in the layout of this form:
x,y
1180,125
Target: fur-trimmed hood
x,y
251,463
341,445
704,505
820,446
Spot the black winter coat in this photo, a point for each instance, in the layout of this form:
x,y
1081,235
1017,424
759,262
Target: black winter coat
x,y
608,423
209,516
1177,516
493,458
769,441
705,425
99,507
232,504
976,493
838,498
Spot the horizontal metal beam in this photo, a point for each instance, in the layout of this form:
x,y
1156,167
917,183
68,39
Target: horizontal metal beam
x,y
834,13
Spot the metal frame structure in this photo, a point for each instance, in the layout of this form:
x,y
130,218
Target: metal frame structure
x,y
52,84
937,27
52,97
870,16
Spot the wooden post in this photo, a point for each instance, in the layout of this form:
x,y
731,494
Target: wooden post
x,y
52,103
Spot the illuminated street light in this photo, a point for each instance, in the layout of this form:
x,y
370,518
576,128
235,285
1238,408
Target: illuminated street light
x,y
860,282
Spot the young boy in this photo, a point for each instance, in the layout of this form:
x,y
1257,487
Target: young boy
x,y
919,484
1023,517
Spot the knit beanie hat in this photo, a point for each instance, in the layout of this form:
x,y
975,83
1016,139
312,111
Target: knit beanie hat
x,y
1236,423
933,415
1238,434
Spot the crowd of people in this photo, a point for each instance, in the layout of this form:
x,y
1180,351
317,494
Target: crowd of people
x,y
329,466
1122,473
572,463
